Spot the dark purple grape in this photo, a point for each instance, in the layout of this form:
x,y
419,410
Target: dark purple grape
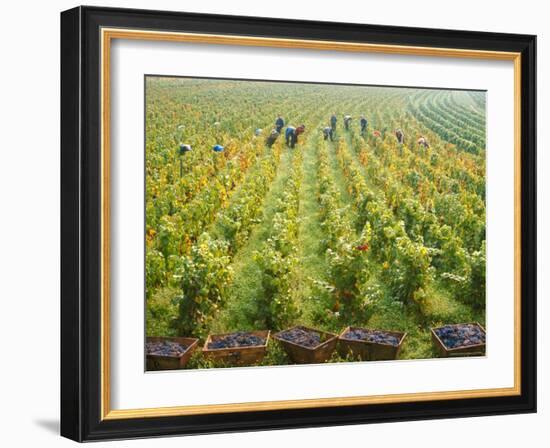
x,y
375,336
165,348
302,336
462,335
238,339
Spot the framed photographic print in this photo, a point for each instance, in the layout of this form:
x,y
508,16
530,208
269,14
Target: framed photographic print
x,y
275,223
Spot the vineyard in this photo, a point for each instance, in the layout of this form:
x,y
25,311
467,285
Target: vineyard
x,y
357,230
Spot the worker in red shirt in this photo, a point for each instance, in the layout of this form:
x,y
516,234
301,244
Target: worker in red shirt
x,y
292,133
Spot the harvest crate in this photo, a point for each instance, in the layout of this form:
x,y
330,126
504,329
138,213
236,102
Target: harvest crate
x,y
367,350
160,362
470,350
241,356
302,354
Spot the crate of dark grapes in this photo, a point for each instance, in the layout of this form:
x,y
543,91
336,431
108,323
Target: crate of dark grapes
x,y
459,340
242,348
306,345
169,353
370,345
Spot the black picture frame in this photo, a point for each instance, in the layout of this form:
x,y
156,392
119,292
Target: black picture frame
x,y
81,224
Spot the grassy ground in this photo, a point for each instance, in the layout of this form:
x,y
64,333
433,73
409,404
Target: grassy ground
x,y
240,308
311,263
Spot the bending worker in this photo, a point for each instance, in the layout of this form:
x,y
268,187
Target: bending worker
x,y
347,121
328,133
400,136
423,142
292,133
270,139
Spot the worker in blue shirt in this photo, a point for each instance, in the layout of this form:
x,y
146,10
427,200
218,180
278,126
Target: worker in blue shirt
x,y
292,133
363,123
279,124
333,121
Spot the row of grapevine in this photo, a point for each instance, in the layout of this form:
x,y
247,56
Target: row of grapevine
x,y
179,209
453,262
407,182
276,306
406,263
462,116
346,253
205,273
459,133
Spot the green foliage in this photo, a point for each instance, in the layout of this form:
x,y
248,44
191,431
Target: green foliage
x,y
346,254
237,222
204,275
409,272
155,271
276,306
477,277
162,313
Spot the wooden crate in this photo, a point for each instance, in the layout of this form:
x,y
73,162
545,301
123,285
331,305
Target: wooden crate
x,y
470,350
239,356
307,355
369,351
156,362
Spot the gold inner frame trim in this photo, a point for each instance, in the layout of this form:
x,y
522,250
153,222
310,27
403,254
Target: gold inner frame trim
x,y
107,35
